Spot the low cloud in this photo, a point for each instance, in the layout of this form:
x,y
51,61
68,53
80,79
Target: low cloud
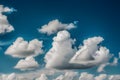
x,y
28,63
5,26
68,76
21,48
11,76
55,26
62,55
42,77
57,75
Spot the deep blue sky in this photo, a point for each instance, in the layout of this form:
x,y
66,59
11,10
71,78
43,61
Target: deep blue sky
x,y
96,18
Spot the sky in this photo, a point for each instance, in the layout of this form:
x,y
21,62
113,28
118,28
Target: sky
x,y
40,23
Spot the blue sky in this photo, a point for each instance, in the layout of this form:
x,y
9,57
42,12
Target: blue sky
x,y
95,18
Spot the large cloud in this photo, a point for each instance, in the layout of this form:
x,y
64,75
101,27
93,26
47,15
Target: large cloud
x,y
62,55
61,52
5,26
21,48
28,63
55,26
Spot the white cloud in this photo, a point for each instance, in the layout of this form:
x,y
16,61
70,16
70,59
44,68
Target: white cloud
x,y
90,51
68,76
86,76
21,48
28,63
42,77
62,55
5,26
115,61
101,77
55,26
101,67
57,75
11,76
61,52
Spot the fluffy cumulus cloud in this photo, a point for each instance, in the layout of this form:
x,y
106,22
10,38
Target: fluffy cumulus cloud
x,y
61,52
55,26
21,48
42,77
57,75
90,51
63,55
68,76
86,76
5,26
28,63
101,77
11,76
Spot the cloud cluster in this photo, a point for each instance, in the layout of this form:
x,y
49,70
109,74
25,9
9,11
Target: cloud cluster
x,y
5,26
24,49
62,55
21,48
55,26
28,63
67,75
11,76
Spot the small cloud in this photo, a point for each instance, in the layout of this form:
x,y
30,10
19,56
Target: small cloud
x,y
28,63
101,77
21,48
101,67
42,77
55,26
5,26
86,76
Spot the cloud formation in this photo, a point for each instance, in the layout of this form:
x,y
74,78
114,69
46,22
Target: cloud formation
x,y
5,26
62,55
47,75
61,52
68,76
28,63
55,26
86,76
42,77
11,76
21,48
